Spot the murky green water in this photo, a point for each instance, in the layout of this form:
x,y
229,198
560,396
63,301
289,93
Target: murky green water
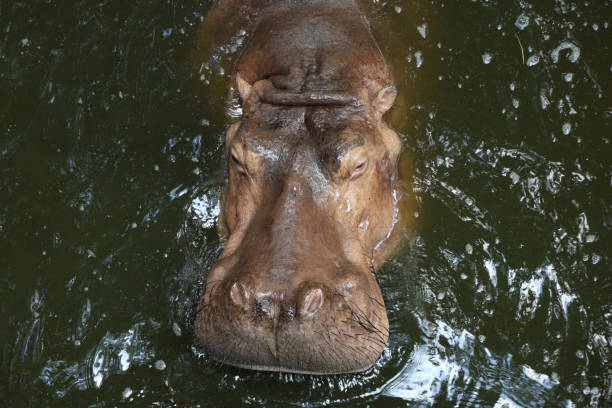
x,y
111,162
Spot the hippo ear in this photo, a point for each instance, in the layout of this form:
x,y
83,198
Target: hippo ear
x,y
384,99
244,88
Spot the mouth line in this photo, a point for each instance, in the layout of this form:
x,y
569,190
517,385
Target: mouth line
x,y
290,370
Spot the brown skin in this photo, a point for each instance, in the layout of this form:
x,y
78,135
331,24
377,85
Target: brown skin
x,y
309,205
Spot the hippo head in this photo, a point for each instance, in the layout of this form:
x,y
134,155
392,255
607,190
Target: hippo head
x,y
307,211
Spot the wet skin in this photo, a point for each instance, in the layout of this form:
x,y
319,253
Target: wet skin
x,y
309,203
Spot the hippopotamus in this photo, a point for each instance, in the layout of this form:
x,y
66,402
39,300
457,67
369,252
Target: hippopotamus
x,y
309,206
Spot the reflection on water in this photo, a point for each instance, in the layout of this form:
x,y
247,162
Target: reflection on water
x,y
112,163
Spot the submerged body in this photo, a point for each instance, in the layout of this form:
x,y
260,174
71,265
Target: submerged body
x,y
309,205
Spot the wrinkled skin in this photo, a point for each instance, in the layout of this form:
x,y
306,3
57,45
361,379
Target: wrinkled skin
x,y
309,204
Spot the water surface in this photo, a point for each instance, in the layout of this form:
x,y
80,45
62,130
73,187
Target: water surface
x,y
112,165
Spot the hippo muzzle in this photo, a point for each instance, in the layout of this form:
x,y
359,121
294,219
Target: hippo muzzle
x,y
309,202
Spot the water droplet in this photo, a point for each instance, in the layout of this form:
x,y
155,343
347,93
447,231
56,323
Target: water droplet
x,y
533,60
419,58
566,128
422,29
98,380
176,329
486,58
595,26
468,248
440,295
134,225
463,276
160,365
126,393
521,22
398,9
567,77
515,103
512,86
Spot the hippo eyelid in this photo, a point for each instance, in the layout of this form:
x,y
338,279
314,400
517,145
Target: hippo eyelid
x,y
359,169
237,162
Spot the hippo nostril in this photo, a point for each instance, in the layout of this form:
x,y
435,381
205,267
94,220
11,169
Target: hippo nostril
x,y
239,296
312,302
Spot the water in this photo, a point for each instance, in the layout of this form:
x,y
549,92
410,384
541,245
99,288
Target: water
x,y
111,155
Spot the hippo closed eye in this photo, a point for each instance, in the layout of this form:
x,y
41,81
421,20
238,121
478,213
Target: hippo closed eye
x,y
309,202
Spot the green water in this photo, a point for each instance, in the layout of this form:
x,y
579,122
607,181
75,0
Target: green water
x,y
112,164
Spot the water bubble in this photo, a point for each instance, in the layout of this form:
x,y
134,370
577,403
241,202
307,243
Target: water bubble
x,y
595,259
566,128
515,103
160,365
567,77
566,45
595,26
521,22
463,276
486,58
533,60
580,354
440,295
512,86
398,9
482,338
468,248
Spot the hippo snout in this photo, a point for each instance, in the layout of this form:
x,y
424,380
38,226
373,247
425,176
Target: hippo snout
x,y
310,328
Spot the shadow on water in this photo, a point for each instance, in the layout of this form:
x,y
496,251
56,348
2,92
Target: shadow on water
x,y
112,165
